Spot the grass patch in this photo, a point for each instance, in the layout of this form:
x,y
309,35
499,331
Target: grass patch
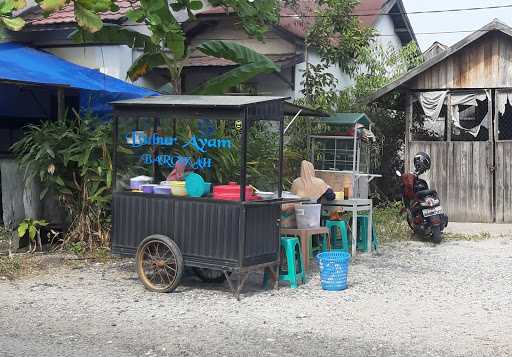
x,y
10,267
390,224
5,234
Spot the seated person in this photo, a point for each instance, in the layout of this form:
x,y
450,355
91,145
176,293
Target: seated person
x,y
311,187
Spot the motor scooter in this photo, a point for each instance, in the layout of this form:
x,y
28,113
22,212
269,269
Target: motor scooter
x,y
423,207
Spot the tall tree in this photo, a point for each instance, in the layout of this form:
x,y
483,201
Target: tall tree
x,y
340,39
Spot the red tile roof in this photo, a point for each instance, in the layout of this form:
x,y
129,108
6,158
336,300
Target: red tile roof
x,y
67,16
292,19
298,19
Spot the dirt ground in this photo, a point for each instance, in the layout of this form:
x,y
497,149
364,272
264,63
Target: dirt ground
x,y
414,299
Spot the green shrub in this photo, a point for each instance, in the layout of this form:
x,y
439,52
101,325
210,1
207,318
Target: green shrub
x,y
72,158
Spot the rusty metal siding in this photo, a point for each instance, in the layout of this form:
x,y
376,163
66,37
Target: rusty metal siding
x,y
486,63
207,232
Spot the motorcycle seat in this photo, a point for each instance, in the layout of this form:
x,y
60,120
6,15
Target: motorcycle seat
x,y
426,193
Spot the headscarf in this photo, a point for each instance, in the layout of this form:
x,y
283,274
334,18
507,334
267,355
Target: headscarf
x,y
307,185
178,174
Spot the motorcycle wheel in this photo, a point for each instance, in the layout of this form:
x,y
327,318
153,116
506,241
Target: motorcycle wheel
x,y
436,234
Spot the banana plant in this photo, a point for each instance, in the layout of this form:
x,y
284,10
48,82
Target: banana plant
x,y
33,227
166,46
7,18
250,64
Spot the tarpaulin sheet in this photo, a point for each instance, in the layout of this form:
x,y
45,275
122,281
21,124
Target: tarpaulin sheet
x,y
19,63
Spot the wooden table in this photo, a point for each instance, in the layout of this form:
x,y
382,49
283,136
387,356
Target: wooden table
x,y
355,205
304,236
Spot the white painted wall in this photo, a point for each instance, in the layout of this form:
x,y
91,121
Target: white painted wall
x,y
383,26
313,58
111,60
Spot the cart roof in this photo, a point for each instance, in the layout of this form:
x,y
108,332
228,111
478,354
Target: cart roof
x,y
261,107
198,101
347,119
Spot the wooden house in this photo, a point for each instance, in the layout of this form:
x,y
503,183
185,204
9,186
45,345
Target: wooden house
x,y
458,110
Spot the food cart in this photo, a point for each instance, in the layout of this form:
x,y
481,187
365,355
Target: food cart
x,y
168,232
342,160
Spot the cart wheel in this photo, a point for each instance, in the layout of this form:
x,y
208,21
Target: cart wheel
x,y
210,275
159,263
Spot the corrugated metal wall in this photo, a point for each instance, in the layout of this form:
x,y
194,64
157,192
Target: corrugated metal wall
x,y
208,233
202,229
261,234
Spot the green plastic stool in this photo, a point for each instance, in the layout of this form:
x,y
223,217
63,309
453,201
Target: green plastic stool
x,y
340,238
362,237
292,251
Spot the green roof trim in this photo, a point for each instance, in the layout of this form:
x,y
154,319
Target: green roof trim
x,y
347,119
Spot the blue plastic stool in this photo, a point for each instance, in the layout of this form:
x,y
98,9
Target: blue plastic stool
x,y
340,238
362,237
291,248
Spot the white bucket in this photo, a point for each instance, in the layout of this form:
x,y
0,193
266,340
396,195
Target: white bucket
x,y
308,215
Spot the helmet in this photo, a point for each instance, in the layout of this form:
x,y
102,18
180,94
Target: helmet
x,y
421,162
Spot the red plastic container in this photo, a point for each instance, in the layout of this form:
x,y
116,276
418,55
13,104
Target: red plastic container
x,y
231,192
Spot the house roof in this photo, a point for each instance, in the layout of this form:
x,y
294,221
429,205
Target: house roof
x,y
495,25
35,17
298,19
280,59
434,49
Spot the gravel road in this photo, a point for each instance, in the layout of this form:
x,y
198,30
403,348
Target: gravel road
x,y
413,299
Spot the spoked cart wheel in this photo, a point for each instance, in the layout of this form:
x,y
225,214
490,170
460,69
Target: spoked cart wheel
x,y
159,263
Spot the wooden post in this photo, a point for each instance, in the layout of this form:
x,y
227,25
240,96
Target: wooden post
x,y
408,122
61,104
449,117
493,139
449,152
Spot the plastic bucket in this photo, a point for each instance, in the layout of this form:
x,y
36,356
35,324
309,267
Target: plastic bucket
x,y
333,269
178,188
308,215
288,219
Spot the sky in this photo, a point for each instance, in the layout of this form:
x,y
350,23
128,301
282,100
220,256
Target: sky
x,y
455,21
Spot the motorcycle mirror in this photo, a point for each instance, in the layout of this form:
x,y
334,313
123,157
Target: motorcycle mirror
x,y
398,173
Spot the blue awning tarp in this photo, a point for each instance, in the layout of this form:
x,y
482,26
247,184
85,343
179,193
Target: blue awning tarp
x,y
20,64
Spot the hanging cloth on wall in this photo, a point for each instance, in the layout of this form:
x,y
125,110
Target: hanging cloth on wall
x,y
432,103
502,97
469,99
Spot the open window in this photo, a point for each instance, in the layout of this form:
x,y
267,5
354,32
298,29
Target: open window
x,y
470,116
429,117
504,110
